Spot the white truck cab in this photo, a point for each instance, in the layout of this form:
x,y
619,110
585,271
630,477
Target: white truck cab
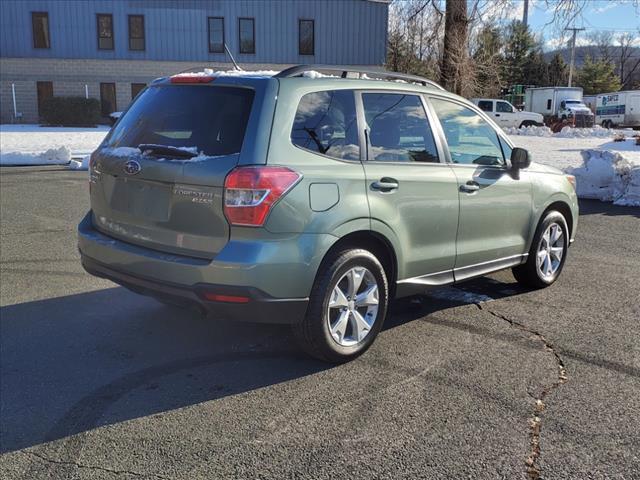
x,y
571,108
559,103
506,115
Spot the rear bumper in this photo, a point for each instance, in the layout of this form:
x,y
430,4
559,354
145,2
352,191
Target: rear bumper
x,y
187,280
259,307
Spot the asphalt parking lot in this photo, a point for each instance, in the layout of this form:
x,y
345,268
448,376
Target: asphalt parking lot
x,y
485,380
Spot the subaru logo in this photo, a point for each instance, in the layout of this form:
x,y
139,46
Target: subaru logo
x,y
132,167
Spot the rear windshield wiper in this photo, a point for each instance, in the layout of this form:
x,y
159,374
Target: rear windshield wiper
x,y
154,149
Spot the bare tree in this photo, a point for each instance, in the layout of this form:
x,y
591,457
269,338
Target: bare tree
x,y
602,41
627,62
455,52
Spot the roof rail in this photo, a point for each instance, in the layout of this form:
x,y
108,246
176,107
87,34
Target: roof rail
x,y
344,71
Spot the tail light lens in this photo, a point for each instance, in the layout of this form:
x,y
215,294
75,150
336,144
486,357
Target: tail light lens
x,y
572,180
251,192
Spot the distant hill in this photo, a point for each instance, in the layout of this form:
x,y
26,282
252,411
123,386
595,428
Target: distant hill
x,y
582,53
588,50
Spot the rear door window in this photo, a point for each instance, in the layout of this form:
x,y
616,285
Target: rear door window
x,y
398,128
211,120
485,105
326,123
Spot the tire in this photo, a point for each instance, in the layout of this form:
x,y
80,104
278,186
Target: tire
x,y
527,123
604,124
531,274
350,338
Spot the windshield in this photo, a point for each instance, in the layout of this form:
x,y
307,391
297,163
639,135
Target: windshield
x,y
573,102
203,119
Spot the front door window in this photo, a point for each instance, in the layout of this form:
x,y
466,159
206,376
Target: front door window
x,y
471,139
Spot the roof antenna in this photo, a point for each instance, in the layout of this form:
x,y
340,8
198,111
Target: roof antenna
x,y
235,65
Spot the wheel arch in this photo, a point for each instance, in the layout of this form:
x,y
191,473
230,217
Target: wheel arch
x,y
374,242
564,209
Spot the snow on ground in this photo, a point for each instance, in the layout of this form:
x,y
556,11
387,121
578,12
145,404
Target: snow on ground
x,y
604,169
607,170
36,145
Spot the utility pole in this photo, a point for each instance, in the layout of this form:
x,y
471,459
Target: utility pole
x,y
525,13
573,51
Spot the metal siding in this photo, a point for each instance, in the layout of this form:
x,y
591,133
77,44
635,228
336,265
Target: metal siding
x,y
346,31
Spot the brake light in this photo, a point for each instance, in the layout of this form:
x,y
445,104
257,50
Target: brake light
x,y
251,192
572,180
214,297
192,79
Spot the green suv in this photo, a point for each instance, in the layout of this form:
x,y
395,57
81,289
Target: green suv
x,y
315,199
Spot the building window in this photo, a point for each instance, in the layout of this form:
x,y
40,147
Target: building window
x,y
45,91
306,43
105,31
107,98
247,32
40,26
136,32
136,88
216,34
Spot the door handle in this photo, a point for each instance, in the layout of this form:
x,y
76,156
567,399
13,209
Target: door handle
x,y
470,187
385,184
497,114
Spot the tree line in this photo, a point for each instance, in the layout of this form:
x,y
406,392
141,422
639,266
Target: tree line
x,y
473,49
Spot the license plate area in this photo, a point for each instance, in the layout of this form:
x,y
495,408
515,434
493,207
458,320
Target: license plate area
x,y
139,198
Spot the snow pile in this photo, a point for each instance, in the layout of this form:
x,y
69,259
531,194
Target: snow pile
x,y
314,74
568,132
631,194
531,131
209,72
608,176
52,156
597,131
82,164
242,73
26,144
120,151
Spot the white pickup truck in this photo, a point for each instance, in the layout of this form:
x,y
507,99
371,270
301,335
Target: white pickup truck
x,y
506,115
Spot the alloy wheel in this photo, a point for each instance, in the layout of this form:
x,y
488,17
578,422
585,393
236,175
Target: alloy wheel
x,y
550,251
353,306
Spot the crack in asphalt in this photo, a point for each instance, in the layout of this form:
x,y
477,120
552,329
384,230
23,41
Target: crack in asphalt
x,y
535,422
94,467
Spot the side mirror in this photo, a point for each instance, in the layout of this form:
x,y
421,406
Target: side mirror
x,y
520,159
563,104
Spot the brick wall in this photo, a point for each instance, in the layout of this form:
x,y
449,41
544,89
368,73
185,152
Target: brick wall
x,y
69,77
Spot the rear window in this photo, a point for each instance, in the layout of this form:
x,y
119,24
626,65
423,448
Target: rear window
x,y
326,123
211,119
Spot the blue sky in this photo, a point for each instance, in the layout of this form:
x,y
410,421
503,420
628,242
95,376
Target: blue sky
x,y
612,15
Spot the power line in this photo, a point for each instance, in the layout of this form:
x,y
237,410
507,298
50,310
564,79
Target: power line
x,y
573,50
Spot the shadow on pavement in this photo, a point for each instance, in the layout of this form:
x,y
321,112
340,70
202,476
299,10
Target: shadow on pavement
x,y
596,207
75,363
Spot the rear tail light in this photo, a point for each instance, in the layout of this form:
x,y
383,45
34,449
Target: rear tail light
x,y
572,180
251,192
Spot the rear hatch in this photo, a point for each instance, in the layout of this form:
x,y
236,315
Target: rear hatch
x,y
157,180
